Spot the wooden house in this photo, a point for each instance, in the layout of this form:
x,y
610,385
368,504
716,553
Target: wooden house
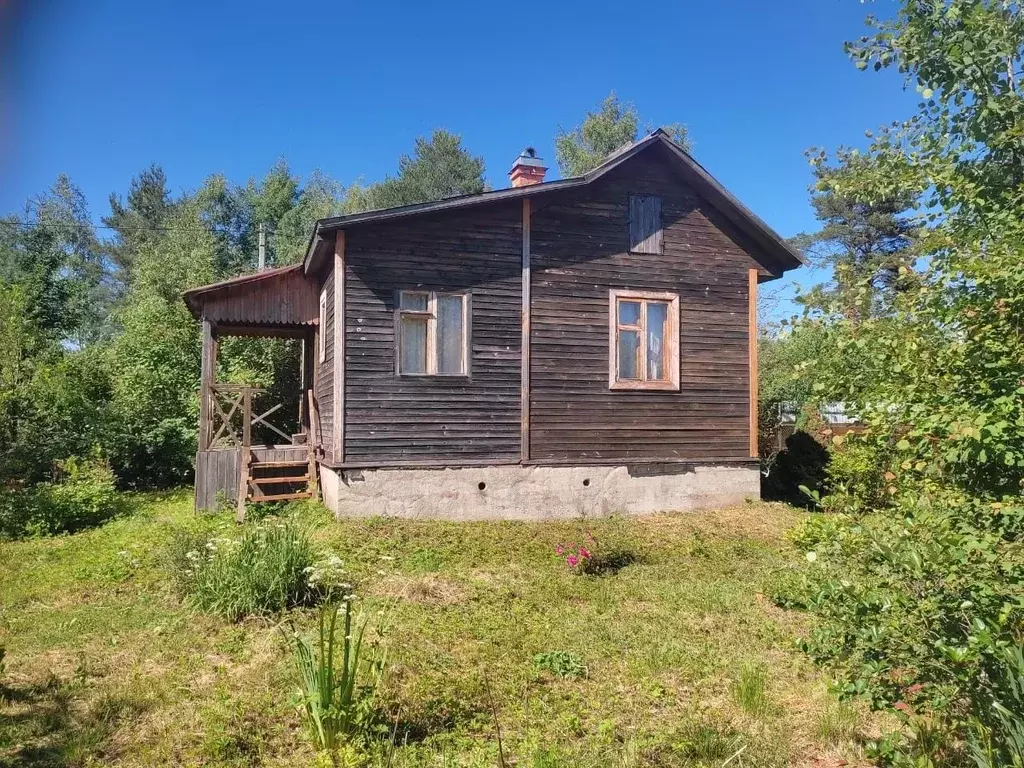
x,y
579,346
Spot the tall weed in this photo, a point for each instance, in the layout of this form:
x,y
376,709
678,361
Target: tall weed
x,y
337,685
262,571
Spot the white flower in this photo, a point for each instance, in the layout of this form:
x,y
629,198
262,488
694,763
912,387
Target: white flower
x,y
812,556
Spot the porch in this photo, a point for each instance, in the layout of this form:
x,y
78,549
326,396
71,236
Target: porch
x,y
247,452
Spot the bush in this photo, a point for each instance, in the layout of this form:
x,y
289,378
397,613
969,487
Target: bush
x,y
920,611
85,496
262,571
857,473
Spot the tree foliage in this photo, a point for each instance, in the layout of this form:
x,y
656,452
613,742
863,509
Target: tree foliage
x,y
97,350
862,241
440,167
610,127
917,578
138,220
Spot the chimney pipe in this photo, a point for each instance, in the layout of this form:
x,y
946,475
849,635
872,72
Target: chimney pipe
x,y
527,169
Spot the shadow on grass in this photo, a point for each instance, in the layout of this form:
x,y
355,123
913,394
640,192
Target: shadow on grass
x,y
414,722
610,563
40,724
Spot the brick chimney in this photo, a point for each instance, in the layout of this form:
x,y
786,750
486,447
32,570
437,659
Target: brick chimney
x,y
527,169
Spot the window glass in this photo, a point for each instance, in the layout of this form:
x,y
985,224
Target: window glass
x,y
643,340
415,302
450,339
413,345
629,313
321,333
629,355
657,319
431,330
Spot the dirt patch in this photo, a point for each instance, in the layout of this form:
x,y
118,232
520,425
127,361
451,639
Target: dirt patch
x,y
426,590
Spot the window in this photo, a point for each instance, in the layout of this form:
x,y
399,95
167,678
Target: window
x,y
644,340
432,333
321,339
644,224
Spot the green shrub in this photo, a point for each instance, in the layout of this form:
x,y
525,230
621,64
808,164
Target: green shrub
x,y
804,462
263,570
918,607
857,474
999,743
85,496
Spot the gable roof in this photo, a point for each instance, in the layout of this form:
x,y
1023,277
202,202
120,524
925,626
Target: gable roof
x,y
785,256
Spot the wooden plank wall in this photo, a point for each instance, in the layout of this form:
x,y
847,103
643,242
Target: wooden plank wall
x,y
216,478
579,250
323,380
442,421
286,299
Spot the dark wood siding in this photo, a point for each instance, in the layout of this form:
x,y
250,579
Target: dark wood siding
x,y
580,250
323,382
391,419
284,298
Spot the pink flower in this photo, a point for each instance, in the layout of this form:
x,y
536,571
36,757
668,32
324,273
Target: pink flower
x,y
572,560
584,553
559,550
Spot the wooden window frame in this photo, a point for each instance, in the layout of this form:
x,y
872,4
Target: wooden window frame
x,y
321,340
430,315
671,340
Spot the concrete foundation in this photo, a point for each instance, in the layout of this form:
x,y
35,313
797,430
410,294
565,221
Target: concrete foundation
x,y
535,493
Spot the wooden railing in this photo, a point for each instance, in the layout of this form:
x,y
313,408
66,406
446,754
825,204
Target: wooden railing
x,y
232,418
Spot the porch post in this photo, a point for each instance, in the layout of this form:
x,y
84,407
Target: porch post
x,y
208,375
304,371
752,358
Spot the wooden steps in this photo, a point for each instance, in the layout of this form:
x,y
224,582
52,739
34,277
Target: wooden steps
x,y
283,496
273,480
299,476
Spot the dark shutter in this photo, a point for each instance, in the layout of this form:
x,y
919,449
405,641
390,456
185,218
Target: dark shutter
x,y
644,224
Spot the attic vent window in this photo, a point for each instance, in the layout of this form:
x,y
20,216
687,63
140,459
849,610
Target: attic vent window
x,y
645,224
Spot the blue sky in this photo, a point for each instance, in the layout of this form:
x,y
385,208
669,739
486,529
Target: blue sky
x,y
101,89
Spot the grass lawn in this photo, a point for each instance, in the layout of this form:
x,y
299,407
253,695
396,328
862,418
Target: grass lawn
x,y
677,658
